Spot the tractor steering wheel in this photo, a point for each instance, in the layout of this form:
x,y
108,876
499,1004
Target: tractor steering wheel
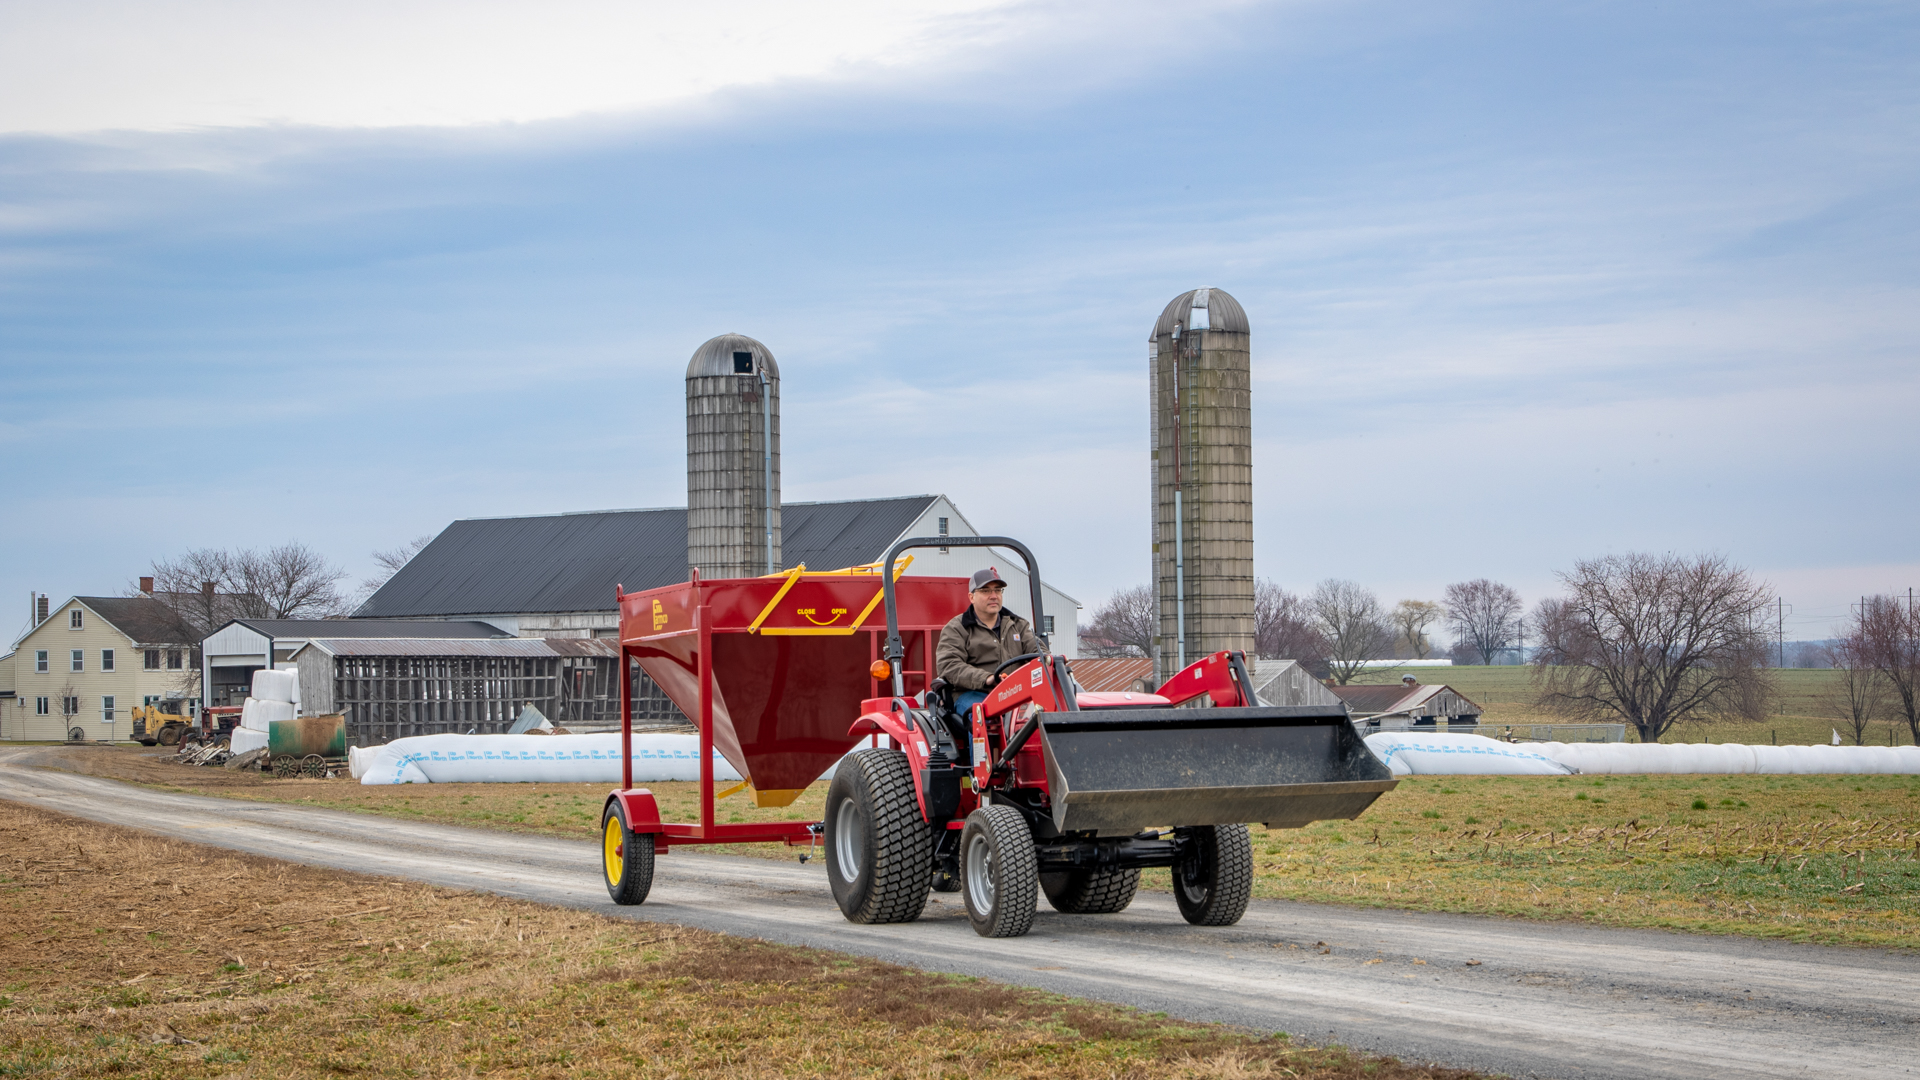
x,y
1015,662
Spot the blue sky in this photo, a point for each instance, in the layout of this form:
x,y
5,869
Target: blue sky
x,y
1527,284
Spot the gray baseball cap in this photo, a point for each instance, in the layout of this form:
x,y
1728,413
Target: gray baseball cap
x,y
984,578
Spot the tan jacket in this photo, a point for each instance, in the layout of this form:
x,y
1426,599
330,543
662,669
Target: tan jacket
x,y
969,652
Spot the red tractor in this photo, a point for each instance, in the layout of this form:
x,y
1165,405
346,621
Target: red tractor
x,y
1041,788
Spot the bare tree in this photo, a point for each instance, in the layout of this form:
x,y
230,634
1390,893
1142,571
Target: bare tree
x,y
1127,624
1889,633
389,562
1484,614
1356,630
1859,692
1654,640
1411,618
1284,628
206,587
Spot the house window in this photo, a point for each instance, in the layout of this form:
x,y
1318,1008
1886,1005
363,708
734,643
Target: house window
x,y
40,706
70,706
1049,630
943,532
79,661
106,659
173,659
106,709
40,661
153,660
75,621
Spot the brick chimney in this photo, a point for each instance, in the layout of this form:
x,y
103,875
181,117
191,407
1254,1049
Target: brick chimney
x,y
40,608
146,586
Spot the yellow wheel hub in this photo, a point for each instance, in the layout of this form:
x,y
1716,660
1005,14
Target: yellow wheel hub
x,y
612,857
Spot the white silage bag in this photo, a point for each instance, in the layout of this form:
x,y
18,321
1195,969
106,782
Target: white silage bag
x,y
245,739
527,759
256,714
358,758
1437,754
269,685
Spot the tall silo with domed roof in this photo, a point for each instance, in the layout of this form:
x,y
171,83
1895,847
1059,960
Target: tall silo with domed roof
x,y
733,459
1199,362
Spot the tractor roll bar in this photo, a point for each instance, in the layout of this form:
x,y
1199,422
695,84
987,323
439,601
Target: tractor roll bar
x,y
896,649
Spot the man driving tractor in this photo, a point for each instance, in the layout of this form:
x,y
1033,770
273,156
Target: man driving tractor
x,y
981,638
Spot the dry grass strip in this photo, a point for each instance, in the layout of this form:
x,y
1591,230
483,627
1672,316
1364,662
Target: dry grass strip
x,y
127,955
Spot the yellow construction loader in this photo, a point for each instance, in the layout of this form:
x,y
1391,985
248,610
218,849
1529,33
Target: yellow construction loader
x,y
163,722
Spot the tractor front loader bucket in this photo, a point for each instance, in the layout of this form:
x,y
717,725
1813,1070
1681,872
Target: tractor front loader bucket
x,y
1118,771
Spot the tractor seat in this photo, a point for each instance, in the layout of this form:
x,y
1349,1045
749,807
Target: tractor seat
x,y
940,706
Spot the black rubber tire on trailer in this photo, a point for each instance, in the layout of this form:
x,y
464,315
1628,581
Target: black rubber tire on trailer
x,y
626,858
1090,892
1212,886
999,872
879,848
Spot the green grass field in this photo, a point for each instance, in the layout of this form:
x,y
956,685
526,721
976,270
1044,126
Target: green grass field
x,y
1804,715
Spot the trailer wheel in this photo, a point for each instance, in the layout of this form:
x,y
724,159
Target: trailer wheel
x,y
1090,892
879,848
1213,884
626,858
999,872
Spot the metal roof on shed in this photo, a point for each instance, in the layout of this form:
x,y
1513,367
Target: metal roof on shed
x,y
571,562
371,628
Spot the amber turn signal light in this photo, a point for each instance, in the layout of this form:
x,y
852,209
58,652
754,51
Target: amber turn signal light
x,y
880,669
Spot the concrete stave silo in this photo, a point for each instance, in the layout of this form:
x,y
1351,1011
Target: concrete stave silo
x,y
733,458
1201,470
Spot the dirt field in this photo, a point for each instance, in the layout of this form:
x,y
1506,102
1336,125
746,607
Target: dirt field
x,y
1833,859
128,955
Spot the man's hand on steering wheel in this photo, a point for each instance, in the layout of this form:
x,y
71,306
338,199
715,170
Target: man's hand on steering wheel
x,y
1012,662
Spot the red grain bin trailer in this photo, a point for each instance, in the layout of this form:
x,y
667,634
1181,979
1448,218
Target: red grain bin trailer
x,y
1041,788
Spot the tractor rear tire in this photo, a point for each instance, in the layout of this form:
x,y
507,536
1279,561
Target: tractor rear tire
x,y
626,858
169,735
1214,882
1090,892
999,872
879,848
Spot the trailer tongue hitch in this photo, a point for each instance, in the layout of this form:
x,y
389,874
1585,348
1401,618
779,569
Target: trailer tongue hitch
x,y
813,841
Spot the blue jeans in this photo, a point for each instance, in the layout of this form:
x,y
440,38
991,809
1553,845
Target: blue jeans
x,y
965,700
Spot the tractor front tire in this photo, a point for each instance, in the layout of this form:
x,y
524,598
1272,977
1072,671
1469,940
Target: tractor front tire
x,y
1090,892
1214,882
879,848
626,858
999,872
169,735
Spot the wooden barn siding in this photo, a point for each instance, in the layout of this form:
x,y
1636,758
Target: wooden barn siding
x,y
391,697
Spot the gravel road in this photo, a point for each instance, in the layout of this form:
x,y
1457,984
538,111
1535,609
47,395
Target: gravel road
x,y
1544,999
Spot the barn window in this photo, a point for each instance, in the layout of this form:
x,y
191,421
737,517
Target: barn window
x,y
743,363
